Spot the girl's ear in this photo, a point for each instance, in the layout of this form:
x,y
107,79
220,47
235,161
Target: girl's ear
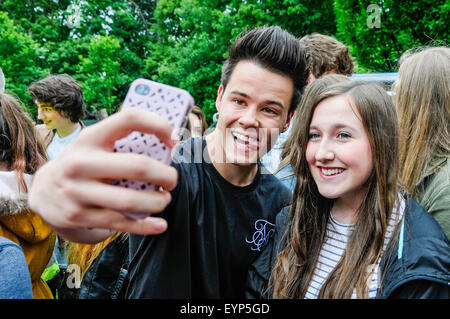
x,y
219,98
288,121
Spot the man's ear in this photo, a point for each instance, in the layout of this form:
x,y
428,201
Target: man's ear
x,y
288,121
311,77
219,98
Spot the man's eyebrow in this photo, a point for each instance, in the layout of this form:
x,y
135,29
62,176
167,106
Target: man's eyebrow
x,y
45,105
268,102
235,92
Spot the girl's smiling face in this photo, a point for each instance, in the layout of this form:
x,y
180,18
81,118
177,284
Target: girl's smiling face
x,y
338,152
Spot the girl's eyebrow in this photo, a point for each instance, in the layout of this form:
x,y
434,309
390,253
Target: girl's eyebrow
x,y
336,126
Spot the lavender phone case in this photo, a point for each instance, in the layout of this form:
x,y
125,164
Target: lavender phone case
x,y
172,103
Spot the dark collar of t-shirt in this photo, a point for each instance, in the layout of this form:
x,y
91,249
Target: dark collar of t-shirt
x,y
225,183
185,155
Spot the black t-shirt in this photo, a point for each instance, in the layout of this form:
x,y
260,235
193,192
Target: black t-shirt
x,y
215,231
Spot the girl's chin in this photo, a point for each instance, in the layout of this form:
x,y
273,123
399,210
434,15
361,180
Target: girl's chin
x,y
329,194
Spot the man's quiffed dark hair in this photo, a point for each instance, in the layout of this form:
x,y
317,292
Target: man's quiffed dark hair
x,y
63,93
273,48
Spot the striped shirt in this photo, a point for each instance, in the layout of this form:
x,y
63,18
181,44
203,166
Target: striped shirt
x,y
333,249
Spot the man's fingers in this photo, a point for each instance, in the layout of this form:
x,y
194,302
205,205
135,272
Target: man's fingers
x,y
146,226
128,166
117,198
121,124
102,218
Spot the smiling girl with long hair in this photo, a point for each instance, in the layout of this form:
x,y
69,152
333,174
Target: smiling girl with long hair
x,y
351,231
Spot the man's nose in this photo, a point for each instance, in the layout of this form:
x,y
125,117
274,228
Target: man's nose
x,y
40,114
249,117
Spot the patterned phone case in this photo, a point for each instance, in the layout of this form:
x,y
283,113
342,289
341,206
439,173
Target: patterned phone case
x,y
172,103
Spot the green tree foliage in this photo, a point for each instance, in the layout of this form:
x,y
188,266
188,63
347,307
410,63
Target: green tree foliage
x,y
402,25
41,19
106,44
100,73
192,37
20,58
104,49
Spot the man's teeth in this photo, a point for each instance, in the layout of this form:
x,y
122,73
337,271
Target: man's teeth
x,y
332,171
244,138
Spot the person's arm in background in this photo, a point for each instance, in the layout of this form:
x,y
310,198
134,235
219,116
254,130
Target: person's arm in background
x,y
72,194
15,281
438,205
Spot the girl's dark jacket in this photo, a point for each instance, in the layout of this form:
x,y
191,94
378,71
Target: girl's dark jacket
x,y
417,266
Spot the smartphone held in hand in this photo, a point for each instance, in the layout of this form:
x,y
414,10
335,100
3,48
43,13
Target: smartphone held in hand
x,y
173,104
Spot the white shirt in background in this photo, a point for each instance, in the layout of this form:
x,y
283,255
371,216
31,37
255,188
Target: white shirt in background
x,y
58,144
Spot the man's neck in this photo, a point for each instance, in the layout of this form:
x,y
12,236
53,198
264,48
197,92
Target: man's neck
x,y
239,175
66,130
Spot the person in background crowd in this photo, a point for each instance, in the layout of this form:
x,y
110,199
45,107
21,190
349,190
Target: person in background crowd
x,y
351,232
103,268
324,55
422,98
15,281
197,125
21,154
61,106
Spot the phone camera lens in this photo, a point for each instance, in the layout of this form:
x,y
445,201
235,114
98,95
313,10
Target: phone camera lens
x,y
142,89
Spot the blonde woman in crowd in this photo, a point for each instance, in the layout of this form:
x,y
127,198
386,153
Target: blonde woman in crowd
x,y
422,97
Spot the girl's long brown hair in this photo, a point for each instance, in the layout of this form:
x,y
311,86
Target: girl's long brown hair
x,y
422,98
307,230
21,148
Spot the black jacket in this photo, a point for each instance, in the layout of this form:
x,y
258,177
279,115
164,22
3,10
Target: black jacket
x,y
107,277
417,266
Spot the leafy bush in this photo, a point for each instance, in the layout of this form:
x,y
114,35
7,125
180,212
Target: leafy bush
x,y
402,25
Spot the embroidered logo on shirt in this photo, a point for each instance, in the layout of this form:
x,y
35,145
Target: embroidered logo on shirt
x,y
264,230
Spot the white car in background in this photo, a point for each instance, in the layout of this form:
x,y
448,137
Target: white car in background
x,y
386,79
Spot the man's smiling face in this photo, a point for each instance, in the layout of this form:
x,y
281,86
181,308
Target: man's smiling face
x,y
253,110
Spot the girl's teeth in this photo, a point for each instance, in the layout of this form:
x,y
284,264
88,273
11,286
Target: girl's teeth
x,y
332,171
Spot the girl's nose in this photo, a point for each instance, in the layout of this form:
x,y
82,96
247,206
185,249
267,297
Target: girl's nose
x,y
325,152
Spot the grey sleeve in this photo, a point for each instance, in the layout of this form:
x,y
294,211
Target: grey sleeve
x,y
15,281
